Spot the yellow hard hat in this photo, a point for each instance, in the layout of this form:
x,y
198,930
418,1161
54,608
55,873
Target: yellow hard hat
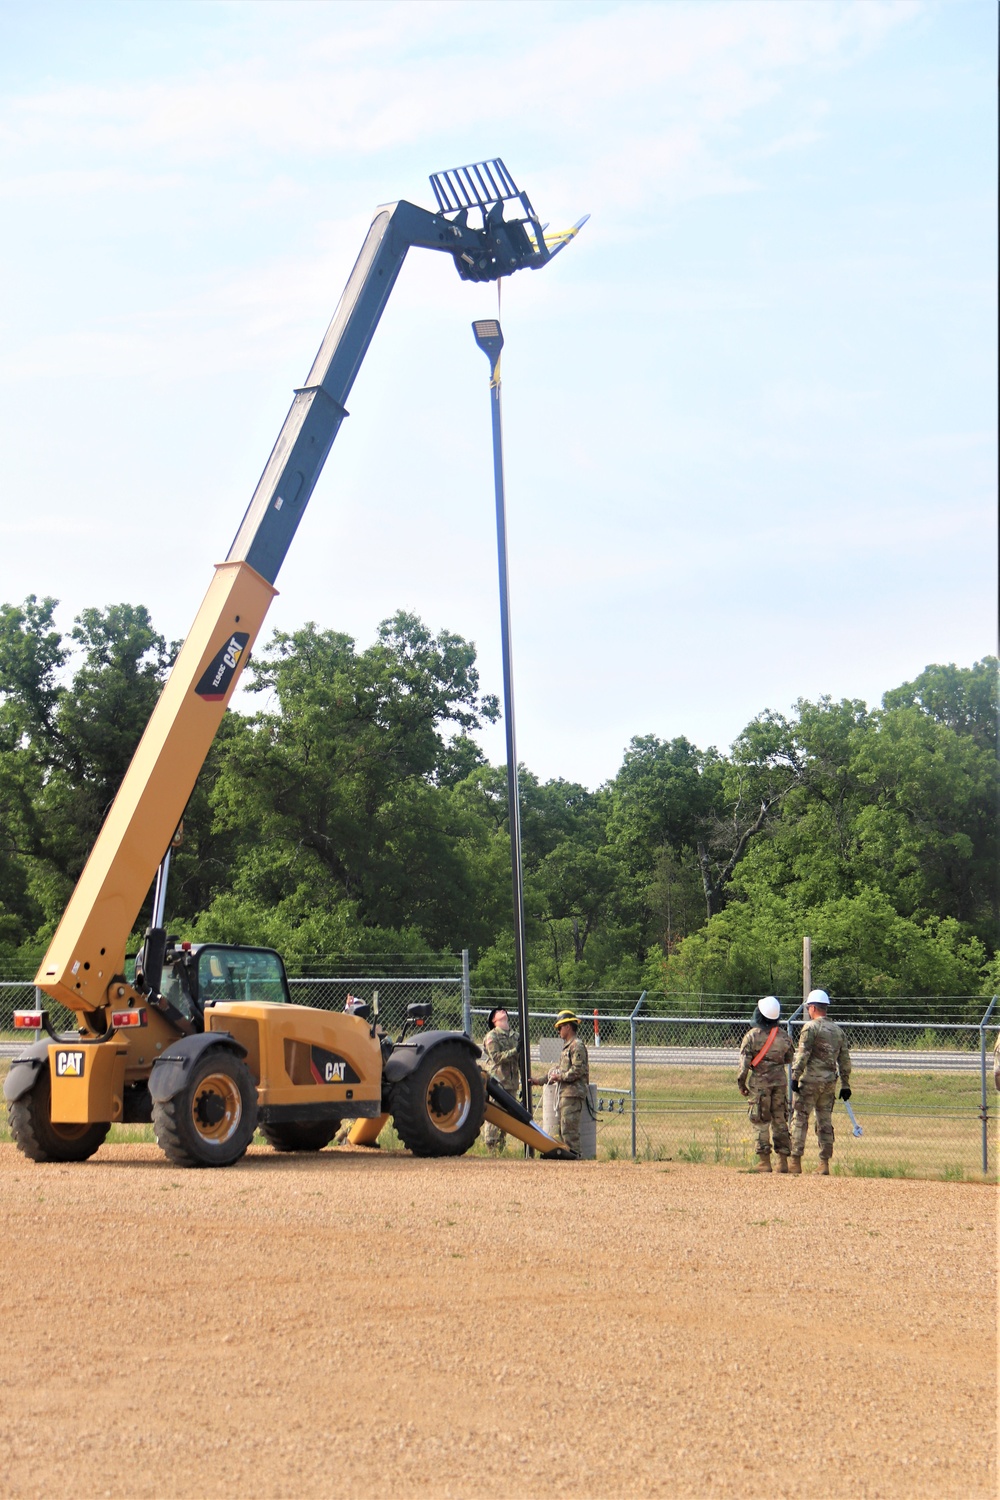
x,y
567,1018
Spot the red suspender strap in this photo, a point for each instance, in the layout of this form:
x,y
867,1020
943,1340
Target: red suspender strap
x,y
764,1050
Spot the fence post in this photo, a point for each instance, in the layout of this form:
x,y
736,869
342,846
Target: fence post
x,y
466,995
984,1108
632,1024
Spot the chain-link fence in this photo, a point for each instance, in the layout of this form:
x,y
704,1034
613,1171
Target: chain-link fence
x,y
15,995
923,1094
387,983
387,998
922,1087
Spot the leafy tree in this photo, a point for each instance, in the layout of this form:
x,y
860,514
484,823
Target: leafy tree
x,y
354,810
928,835
335,790
766,766
861,946
101,718
966,699
66,745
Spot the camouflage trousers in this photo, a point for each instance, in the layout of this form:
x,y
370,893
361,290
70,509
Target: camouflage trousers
x,y
769,1116
494,1137
818,1097
570,1110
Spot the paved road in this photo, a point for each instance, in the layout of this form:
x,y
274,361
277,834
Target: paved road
x,y
723,1057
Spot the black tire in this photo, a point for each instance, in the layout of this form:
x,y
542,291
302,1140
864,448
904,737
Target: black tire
x,y
210,1121
39,1138
300,1135
438,1109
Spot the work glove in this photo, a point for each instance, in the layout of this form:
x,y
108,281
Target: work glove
x,y
845,1092
743,1090
795,1085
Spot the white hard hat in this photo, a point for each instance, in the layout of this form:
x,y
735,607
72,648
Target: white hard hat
x,y
770,1007
817,997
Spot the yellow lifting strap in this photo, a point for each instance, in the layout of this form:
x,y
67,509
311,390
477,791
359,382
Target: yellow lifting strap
x,y
764,1050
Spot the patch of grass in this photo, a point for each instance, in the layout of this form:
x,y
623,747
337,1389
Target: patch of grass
x,y
953,1173
694,1151
926,1121
872,1169
389,1140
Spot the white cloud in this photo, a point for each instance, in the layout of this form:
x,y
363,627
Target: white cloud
x,y
661,80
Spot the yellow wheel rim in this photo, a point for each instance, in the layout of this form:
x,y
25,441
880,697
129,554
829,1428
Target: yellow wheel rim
x,y
449,1099
68,1132
217,1108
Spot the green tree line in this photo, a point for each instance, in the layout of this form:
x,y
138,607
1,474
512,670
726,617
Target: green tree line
x,y
352,811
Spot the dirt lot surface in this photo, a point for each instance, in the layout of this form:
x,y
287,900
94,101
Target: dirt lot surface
x,y
369,1325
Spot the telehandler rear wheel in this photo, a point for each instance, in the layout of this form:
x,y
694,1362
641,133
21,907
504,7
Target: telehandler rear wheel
x,y
40,1138
210,1121
293,1135
439,1108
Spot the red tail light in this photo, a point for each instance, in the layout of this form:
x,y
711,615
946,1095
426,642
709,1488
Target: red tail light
x,y
120,1018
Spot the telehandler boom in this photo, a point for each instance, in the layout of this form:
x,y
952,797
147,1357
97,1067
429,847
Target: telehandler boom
x,y
204,1041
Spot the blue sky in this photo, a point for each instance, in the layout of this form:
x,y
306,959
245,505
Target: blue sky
x,y
750,414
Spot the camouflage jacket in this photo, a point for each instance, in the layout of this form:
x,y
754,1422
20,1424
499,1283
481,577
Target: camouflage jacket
x,y
771,1071
574,1070
822,1053
996,1063
500,1059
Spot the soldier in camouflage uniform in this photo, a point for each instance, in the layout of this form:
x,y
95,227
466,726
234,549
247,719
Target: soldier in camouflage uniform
x,y
500,1062
765,1052
822,1054
996,1064
573,1077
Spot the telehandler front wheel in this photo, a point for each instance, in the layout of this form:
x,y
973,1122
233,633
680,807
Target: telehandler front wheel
x,y
40,1138
211,1120
293,1135
438,1109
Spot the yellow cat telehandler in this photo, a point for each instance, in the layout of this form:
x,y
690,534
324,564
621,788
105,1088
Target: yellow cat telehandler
x,y
203,1040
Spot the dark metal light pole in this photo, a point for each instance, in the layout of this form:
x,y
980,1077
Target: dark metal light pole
x,y
490,340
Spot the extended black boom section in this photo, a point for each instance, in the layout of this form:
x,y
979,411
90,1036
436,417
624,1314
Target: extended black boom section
x,y
506,1101
498,248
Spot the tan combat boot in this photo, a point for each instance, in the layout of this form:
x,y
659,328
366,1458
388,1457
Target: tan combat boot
x,y
823,1170
764,1164
795,1166
782,1162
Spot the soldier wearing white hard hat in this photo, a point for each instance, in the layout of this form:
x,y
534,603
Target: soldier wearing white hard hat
x,y
765,1052
822,1054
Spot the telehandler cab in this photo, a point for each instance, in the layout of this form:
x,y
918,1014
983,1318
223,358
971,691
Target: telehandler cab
x,y
204,1040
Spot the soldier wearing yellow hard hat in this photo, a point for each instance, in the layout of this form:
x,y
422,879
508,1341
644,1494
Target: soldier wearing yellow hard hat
x,y
573,1077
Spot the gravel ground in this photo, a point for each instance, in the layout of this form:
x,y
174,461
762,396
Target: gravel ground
x,y
369,1325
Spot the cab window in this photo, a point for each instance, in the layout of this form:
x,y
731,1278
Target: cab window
x,y
174,989
234,974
